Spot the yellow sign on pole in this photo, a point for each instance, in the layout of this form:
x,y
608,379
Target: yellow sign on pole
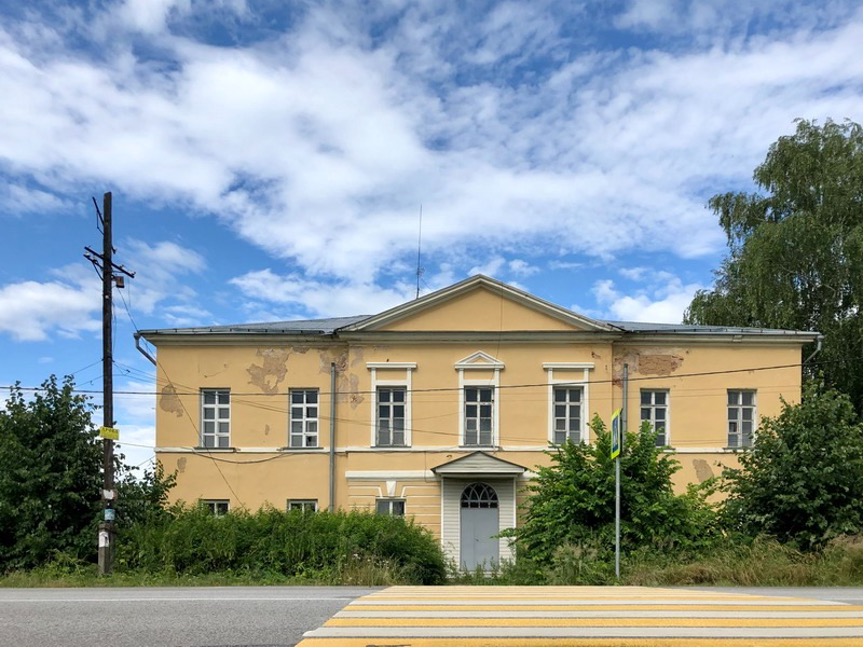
x,y
616,433
109,433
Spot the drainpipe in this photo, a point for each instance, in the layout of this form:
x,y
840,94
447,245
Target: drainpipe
x,y
332,436
142,350
819,339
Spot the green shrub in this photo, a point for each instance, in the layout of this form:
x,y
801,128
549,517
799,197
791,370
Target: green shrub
x,y
572,501
801,481
339,548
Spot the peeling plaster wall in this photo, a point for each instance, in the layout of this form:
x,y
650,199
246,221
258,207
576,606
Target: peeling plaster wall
x,y
170,402
649,361
702,469
271,372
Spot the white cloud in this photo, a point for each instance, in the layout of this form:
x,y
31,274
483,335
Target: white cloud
x,y
522,268
491,268
167,256
135,414
633,274
305,297
663,300
30,310
318,146
72,303
162,266
18,200
149,15
653,15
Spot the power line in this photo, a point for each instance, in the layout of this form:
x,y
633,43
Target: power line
x,y
194,391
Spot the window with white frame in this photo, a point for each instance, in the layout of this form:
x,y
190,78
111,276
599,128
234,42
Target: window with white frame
x,y
479,412
303,505
567,423
217,507
304,418
654,410
568,385
479,378
215,418
390,506
390,424
391,408
741,417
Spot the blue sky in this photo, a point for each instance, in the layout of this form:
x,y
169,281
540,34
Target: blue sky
x,y
269,160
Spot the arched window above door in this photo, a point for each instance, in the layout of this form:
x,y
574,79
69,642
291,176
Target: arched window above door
x,y
479,495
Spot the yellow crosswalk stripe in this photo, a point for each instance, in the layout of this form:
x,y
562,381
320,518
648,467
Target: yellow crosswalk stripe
x,y
586,616
673,642
447,607
601,623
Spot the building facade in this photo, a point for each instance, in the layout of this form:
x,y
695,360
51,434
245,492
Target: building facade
x,y
442,408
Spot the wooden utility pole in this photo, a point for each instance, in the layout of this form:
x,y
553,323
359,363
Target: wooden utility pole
x,y
106,528
105,265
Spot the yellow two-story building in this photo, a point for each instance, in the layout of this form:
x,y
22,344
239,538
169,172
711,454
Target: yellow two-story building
x,y
441,408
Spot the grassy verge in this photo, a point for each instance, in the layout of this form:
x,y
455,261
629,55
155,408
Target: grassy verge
x,y
752,563
760,562
86,575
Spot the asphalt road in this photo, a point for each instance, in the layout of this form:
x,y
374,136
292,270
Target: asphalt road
x,y
194,616
210,616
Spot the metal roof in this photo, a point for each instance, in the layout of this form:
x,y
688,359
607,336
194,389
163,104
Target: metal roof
x,y
325,326
478,463
697,329
331,325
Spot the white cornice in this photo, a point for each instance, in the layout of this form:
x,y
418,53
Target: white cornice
x,y
568,365
391,365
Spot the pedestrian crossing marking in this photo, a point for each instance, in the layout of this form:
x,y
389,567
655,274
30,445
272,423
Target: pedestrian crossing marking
x,y
586,616
365,607
588,642
594,622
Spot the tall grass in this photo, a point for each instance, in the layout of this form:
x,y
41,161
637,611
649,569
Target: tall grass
x,y
758,562
733,562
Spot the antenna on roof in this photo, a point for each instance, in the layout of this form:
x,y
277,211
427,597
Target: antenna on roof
x,y
419,239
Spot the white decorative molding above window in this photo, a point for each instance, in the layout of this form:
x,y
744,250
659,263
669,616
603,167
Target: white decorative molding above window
x,y
391,403
479,360
391,365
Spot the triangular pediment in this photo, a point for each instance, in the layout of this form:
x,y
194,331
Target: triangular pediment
x,y
479,304
479,360
478,464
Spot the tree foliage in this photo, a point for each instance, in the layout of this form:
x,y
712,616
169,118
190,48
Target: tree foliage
x,y
572,501
802,479
50,476
142,499
794,257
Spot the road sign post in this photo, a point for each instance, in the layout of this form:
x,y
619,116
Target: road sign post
x,y
615,454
